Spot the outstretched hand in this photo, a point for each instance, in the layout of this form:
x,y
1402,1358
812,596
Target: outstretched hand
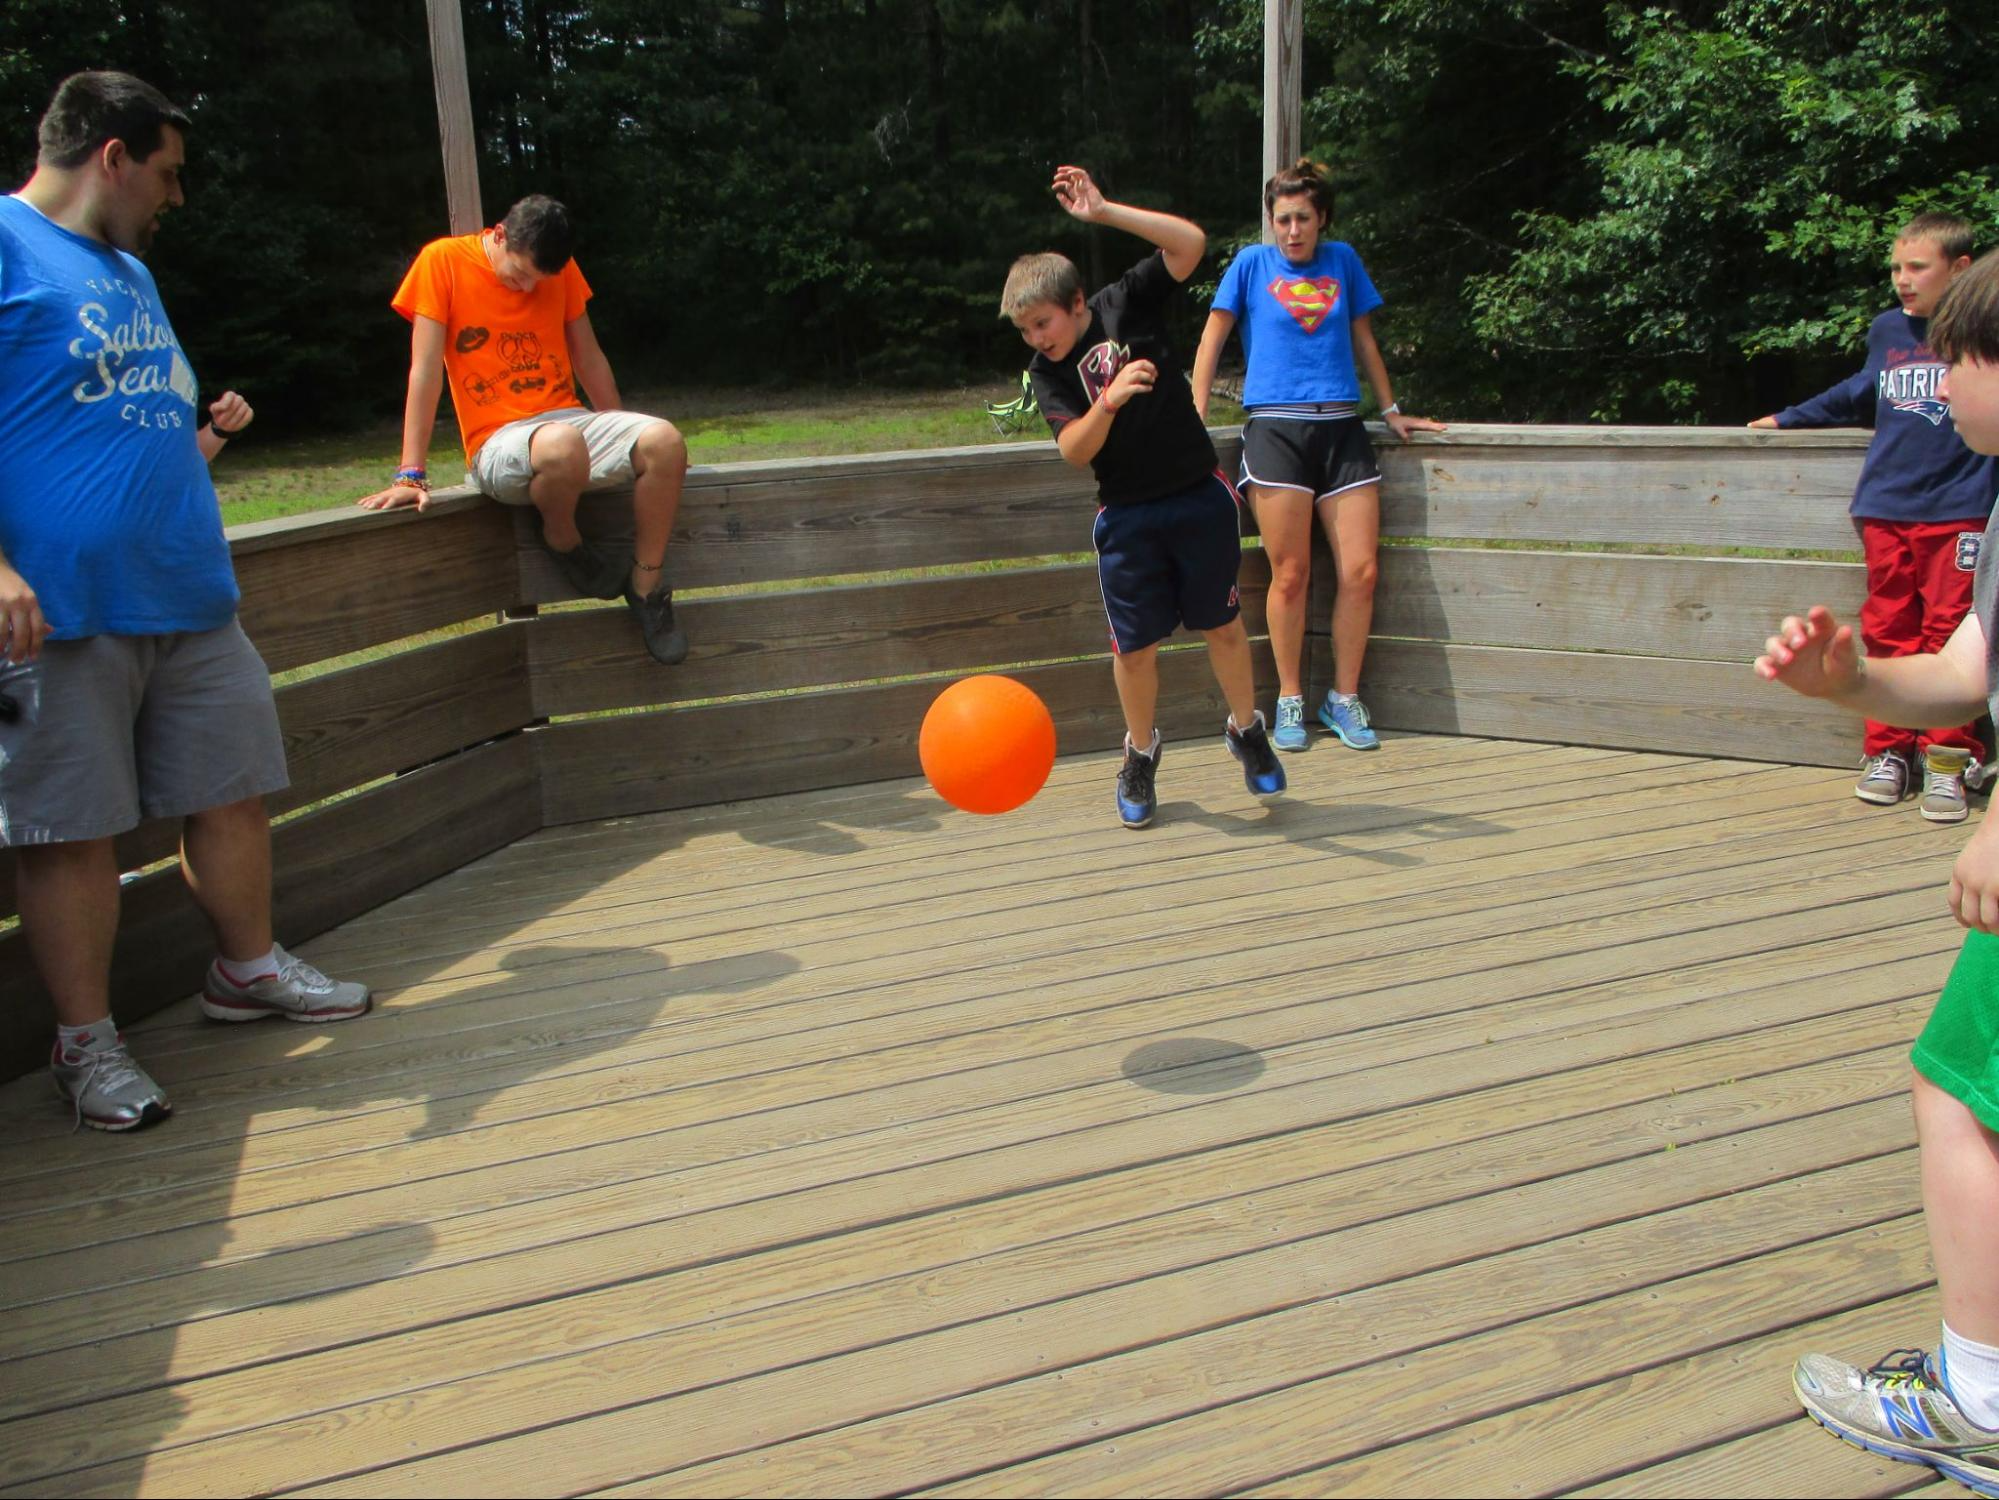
x,y
1402,425
1079,194
1816,656
395,497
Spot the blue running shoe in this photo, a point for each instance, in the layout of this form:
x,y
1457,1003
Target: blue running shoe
x,y
1900,1408
1251,746
1136,800
1347,718
1290,731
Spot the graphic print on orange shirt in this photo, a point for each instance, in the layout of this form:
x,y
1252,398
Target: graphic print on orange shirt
x,y
1310,302
505,351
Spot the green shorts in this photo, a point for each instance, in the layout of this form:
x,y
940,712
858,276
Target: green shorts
x,y
1959,1048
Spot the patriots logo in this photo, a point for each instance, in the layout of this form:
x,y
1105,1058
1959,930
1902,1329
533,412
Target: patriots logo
x,y
1969,544
1310,302
1913,387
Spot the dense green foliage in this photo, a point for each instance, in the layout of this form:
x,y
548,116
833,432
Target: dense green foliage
x,y
1575,208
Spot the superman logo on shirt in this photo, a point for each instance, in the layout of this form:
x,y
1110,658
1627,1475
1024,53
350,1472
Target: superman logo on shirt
x,y
1310,302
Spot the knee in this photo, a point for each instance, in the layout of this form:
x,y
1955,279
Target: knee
x,y
660,447
559,452
1289,578
1357,578
247,816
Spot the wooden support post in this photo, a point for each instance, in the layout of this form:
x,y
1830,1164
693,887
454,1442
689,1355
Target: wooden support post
x,y
1283,52
454,116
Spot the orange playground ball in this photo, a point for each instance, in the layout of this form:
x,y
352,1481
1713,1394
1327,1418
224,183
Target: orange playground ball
x,y
988,744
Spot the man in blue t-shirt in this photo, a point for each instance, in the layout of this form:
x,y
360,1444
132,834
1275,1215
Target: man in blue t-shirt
x,y
127,688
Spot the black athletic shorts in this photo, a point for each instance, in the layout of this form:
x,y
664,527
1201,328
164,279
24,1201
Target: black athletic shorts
x,y
1170,562
1321,458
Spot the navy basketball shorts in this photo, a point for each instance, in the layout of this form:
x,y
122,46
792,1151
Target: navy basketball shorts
x,y
1170,562
1320,458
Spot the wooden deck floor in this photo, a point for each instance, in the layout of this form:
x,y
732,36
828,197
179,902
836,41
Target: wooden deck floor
x,y
1487,1118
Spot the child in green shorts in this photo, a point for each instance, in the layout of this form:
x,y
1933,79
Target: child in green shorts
x,y
1939,1409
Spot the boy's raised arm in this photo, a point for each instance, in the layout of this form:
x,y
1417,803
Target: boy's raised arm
x,y
1184,241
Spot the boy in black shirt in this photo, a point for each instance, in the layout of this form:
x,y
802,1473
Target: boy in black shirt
x,y
1168,531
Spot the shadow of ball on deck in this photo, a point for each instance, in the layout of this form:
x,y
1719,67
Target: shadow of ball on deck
x,y
1193,1065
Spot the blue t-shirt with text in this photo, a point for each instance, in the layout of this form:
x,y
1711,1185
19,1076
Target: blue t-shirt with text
x,y
1296,322
106,507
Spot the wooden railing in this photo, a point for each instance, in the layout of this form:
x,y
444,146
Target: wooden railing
x,y
433,751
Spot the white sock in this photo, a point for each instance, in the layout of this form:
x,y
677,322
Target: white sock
x,y
1151,752
1971,1372
1339,697
248,970
1243,728
102,1033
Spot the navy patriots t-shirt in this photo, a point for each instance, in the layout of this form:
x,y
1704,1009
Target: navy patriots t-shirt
x,y
1917,468
1158,444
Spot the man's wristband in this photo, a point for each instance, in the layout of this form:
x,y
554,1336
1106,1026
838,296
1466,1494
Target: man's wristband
x,y
1393,409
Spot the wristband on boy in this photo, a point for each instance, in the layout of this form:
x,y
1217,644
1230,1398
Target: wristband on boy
x,y
417,479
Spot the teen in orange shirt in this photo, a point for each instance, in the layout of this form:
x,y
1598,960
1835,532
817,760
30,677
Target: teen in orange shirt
x,y
502,314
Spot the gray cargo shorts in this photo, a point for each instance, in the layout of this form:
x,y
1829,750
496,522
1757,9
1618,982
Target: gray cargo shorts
x,y
503,470
114,728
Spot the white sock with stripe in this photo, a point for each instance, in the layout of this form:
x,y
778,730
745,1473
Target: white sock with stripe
x,y
1971,1374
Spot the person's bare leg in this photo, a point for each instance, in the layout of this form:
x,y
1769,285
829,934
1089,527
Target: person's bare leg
x,y
1961,1210
659,460
226,857
1352,523
1235,670
68,900
1137,676
1284,519
561,461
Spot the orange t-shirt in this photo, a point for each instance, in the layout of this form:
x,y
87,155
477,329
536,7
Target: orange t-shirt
x,y
504,351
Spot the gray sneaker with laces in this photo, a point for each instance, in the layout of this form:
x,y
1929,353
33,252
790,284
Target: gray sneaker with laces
x,y
297,991
1884,778
108,1090
1943,785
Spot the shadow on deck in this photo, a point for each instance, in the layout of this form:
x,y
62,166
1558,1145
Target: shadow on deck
x,y
1485,1118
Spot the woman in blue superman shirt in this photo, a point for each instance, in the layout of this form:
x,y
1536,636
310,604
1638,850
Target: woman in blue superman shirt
x,y
1303,305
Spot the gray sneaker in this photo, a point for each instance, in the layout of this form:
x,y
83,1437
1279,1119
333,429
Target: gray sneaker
x,y
1900,1408
297,991
1884,778
1943,784
108,1089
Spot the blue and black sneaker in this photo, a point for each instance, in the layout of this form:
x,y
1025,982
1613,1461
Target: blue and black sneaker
x,y
1135,798
1260,771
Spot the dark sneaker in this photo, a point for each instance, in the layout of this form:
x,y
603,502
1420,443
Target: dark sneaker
x,y
666,641
594,572
1260,771
1136,800
108,1090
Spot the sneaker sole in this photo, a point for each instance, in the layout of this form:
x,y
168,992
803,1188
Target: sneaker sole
x,y
1144,822
217,1009
1879,799
1277,744
1956,816
1978,1484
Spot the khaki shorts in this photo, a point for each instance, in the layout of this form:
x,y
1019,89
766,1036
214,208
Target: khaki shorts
x,y
502,469
112,728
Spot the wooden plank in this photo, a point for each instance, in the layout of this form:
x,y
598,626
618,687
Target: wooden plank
x,y
329,866
1705,609
602,768
1216,1329
455,130
1396,1215
584,660
346,588
1577,697
1671,493
1792,1457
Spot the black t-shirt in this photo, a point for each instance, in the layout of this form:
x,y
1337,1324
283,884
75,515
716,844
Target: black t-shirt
x,y
1157,443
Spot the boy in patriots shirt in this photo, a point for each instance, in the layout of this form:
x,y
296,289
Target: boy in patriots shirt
x,y
1921,507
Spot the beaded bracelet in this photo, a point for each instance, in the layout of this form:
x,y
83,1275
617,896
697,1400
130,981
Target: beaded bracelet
x,y
416,479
